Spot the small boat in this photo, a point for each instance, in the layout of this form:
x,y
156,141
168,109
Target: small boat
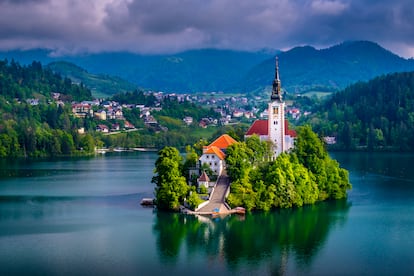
x,y
147,202
239,210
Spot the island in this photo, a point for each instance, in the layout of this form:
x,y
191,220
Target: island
x,y
274,167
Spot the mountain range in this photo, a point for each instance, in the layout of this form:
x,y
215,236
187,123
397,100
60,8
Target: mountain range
x,y
302,68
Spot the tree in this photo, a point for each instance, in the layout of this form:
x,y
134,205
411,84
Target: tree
x,y
193,199
67,144
88,143
171,187
191,160
262,150
332,181
238,160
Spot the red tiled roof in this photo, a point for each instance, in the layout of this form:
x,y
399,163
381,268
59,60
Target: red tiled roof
x,y
204,177
258,127
290,132
223,142
215,150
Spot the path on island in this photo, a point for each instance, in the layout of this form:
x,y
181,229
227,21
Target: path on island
x,y
218,197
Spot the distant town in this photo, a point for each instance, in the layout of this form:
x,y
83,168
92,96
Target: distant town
x,y
232,110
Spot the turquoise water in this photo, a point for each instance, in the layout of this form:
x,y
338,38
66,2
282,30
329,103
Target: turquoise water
x,y
82,216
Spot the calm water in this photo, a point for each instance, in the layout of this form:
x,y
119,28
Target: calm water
x,y
83,216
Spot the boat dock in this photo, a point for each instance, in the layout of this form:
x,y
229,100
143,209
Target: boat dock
x,y
237,210
216,205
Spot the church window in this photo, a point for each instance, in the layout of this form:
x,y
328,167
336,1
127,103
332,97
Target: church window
x,y
275,111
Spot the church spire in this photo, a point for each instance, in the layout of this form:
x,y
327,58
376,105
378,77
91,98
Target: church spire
x,y
276,91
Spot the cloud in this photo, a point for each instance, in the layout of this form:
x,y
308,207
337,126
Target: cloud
x,y
159,26
328,7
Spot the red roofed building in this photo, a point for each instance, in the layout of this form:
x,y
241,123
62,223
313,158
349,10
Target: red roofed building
x,y
260,128
203,180
215,153
276,127
223,142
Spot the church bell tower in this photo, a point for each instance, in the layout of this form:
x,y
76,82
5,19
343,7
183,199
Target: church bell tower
x,y
276,111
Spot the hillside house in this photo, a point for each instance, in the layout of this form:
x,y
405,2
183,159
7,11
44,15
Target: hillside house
x,y
214,154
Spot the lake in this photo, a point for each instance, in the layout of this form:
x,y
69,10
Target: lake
x,y
82,216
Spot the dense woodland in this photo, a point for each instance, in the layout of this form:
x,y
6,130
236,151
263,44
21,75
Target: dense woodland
x,y
374,115
43,128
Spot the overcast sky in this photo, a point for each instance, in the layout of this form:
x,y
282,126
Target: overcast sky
x,y
167,26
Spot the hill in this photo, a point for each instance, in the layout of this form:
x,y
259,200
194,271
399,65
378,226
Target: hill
x,y
186,72
302,68
35,113
35,81
332,69
374,115
100,85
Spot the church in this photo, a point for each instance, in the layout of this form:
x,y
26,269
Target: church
x,y
276,128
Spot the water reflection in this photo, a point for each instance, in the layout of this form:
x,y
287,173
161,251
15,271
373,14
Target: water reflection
x,y
259,239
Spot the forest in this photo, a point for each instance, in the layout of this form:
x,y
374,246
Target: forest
x,y
375,115
30,124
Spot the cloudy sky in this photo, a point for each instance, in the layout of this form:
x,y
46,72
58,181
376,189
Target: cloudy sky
x,y
166,26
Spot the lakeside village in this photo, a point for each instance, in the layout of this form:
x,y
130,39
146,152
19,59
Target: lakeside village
x,y
306,178
232,110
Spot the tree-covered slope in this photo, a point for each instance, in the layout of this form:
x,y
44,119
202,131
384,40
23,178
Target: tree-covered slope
x,y
100,85
34,81
306,68
32,123
189,71
378,114
302,68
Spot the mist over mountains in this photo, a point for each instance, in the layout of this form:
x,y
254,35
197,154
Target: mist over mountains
x,y
301,68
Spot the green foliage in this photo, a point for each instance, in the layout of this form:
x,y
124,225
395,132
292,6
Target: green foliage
x,y
42,128
377,115
135,97
238,157
194,200
33,81
202,189
173,108
305,176
171,187
308,69
103,85
235,131
26,131
191,160
262,150
170,123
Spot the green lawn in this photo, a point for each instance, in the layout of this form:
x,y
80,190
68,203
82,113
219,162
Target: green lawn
x,y
204,133
319,94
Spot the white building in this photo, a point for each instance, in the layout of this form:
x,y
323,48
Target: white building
x,y
215,153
